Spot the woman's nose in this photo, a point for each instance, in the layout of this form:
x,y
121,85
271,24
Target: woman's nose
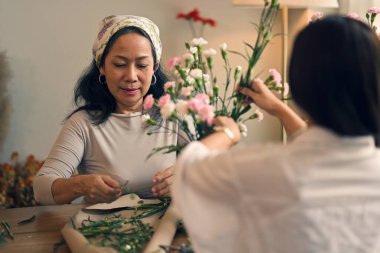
x,y
130,74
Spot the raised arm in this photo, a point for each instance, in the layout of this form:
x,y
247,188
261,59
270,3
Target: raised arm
x,y
267,101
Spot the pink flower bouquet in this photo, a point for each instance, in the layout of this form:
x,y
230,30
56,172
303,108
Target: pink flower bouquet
x,y
194,99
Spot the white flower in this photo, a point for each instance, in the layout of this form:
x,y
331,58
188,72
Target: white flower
x,y
206,77
243,129
259,114
223,46
145,118
167,110
237,72
193,50
209,52
188,56
196,73
181,108
198,42
190,80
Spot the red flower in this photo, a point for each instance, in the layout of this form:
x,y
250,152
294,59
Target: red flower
x,y
209,21
194,14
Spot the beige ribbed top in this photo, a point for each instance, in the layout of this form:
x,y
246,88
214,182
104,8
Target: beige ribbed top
x,y
118,147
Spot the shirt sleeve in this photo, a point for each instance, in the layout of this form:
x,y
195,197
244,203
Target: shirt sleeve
x,y
204,183
62,161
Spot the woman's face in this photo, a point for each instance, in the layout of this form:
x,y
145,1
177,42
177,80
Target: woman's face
x,y
128,69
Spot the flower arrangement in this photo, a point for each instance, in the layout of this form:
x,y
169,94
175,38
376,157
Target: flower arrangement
x,y
194,100
370,17
16,182
194,17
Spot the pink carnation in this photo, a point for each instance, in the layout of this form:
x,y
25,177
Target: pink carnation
x,y
186,91
167,85
164,100
353,15
203,97
195,104
207,114
174,61
148,102
316,16
286,89
275,75
375,10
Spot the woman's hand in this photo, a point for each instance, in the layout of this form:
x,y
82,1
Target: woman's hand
x,y
223,122
267,101
162,181
263,97
100,188
226,134
95,188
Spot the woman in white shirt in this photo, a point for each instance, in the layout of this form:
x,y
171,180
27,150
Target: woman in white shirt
x,y
321,192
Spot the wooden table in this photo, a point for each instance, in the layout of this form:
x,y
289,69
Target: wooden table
x,y
44,232
40,235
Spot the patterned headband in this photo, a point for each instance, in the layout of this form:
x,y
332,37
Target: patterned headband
x,y
111,24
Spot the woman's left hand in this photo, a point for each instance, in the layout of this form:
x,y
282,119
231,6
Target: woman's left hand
x,y
162,182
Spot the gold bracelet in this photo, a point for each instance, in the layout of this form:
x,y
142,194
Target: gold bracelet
x,y
227,131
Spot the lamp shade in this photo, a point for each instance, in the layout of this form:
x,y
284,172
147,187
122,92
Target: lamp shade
x,y
291,3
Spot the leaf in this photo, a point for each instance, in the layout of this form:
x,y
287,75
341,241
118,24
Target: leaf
x,y
249,45
246,109
238,53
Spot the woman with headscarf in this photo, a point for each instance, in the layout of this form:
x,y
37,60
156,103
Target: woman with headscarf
x,y
105,139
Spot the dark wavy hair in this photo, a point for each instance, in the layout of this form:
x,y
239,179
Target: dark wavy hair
x,y
96,99
335,75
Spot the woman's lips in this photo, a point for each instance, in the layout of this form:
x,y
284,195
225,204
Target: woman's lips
x,y
131,91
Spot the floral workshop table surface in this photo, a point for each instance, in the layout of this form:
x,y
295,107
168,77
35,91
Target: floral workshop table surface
x,y
51,229
129,224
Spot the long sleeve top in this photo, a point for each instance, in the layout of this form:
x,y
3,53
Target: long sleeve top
x,y
119,148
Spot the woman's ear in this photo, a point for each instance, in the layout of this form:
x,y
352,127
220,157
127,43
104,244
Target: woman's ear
x,y
101,70
155,67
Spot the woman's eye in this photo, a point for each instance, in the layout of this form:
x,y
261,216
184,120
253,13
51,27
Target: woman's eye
x,y
119,65
142,66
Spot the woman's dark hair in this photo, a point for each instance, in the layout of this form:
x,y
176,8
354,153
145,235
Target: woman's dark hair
x,y
95,98
335,75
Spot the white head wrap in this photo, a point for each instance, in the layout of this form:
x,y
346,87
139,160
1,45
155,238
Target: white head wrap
x,y
111,24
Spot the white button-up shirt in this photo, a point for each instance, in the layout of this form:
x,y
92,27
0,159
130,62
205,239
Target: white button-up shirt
x,y
320,193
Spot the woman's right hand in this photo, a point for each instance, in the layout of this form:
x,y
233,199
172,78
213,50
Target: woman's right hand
x,y
263,97
267,101
99,188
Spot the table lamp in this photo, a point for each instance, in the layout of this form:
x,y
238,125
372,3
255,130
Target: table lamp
x,y
285,5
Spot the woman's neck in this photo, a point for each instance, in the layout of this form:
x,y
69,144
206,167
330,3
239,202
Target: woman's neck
x,y
129,109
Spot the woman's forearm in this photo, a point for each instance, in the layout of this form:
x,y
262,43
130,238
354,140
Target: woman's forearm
x,y
66,190
289,119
